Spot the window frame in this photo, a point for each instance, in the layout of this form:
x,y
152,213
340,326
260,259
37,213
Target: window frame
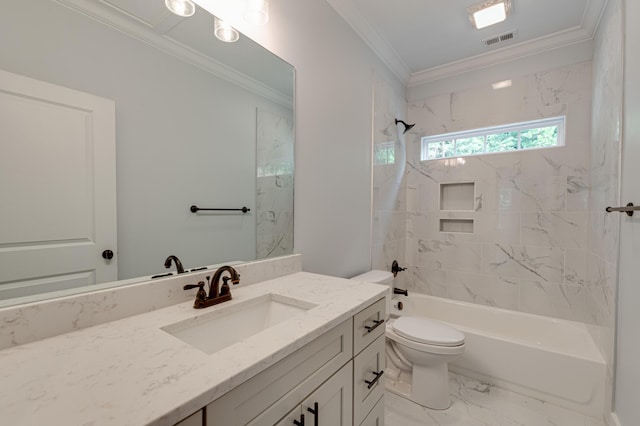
x,y
484,132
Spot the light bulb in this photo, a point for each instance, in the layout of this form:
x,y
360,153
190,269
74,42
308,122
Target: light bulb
x,y
183,8
225,32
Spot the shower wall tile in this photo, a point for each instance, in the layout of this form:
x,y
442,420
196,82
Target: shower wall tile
x,y
424,280
486,290
531,208
450,254
274,185
578,191
531,193
604,228
383,255
528,262
555,229
564,301
575,266
388,226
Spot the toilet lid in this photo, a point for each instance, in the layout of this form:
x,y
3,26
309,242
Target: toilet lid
x,y
424,330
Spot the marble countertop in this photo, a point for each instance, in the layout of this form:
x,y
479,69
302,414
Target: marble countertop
x,y
131,372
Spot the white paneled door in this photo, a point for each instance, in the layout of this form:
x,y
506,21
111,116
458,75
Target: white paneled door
x,y
57,187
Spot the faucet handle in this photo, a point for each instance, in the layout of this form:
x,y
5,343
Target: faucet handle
x,y
224,289
201,294
190,286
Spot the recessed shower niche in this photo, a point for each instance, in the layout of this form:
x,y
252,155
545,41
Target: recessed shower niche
x,y
457,197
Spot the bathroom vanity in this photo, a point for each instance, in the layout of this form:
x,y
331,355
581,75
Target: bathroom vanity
x,y
301,344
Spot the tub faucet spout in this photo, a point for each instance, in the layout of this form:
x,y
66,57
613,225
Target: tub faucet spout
x,y
400,291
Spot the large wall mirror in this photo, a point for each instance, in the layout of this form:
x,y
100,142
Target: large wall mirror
x,y
197,122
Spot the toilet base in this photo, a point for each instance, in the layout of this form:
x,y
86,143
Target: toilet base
x,y
401,383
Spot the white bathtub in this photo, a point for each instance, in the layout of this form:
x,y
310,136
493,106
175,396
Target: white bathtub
x,y
548,359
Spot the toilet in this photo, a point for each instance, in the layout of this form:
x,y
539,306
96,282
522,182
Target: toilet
x,y
418,351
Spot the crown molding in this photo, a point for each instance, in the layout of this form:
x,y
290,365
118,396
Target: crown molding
x,y
380,46
140,30
505,54
383,49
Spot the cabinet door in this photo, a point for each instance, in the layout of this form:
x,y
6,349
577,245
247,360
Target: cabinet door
x,y
193,420
376,416
329,405
368,380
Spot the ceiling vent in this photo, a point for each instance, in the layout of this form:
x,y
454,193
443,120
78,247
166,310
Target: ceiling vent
x,y
500,38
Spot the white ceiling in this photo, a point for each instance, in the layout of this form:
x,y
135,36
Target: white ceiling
x,y
421,40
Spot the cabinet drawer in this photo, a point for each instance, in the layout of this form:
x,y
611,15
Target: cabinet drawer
x,y
367,326
376,416
271,394
368,379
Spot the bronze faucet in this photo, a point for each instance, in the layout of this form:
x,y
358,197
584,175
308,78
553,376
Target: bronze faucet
x,y
216,294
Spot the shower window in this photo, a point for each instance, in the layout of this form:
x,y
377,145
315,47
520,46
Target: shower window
x,y
548,132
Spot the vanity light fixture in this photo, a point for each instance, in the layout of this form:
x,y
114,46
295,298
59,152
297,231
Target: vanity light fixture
x,y
489,13
183,8
224,31
257,12
501,84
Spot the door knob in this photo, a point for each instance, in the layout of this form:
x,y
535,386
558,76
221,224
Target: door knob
x,y
107,254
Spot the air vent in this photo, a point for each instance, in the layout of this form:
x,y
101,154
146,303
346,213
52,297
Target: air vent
x,y
500,38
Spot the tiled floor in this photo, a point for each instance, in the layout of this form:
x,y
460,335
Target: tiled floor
x,y
480,404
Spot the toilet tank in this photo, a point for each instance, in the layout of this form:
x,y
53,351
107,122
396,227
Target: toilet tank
x,y
379,277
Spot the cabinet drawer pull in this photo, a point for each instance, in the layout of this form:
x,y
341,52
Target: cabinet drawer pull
x,y
375,380
301,422
314,411
370,328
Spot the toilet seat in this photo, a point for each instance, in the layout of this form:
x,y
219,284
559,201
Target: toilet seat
x,y
427,331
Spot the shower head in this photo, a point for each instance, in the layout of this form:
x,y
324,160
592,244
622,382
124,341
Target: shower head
x,y
407,127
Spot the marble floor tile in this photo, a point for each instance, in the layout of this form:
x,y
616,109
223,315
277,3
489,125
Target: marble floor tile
x,y
480,404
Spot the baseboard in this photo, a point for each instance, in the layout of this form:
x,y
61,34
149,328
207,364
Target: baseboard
x,y
614,420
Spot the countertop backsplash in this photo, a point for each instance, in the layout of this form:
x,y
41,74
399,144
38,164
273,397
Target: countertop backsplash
x,y
39,320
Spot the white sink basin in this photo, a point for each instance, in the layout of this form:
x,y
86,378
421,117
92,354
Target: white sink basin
x,y
225,325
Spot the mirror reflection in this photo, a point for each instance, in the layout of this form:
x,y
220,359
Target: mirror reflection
x,y
117,117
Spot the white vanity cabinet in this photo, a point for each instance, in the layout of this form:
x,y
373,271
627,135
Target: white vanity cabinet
x,y
335,380
369,364
270,395
195,419
329,405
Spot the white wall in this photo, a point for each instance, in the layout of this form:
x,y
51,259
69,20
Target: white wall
x,y
334,110
628,349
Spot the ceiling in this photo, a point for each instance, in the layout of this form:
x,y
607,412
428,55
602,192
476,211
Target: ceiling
x,y
422,40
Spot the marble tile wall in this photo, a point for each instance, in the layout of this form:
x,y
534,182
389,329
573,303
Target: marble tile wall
x,y
274,186
529,246
603,228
